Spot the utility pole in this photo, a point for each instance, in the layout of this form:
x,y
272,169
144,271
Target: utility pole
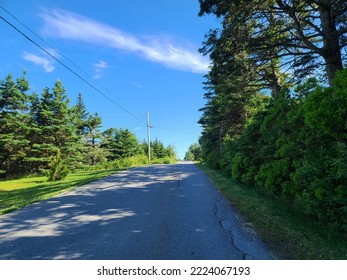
x,y
149,138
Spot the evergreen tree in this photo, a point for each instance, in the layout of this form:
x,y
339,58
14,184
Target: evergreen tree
x,y
53,122
80,115
93,152
88,128
57,168
300,35
157,149
41,135
171,151
14,125
120,143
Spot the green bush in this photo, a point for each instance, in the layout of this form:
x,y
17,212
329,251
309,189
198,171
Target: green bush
x,y
124,163
236,167
164,160
296,148
57,168
273,175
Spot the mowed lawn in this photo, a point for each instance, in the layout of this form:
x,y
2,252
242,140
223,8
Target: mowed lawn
x,y
15,194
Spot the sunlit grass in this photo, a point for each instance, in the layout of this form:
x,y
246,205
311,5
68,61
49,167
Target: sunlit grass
x,y
15,194
287,233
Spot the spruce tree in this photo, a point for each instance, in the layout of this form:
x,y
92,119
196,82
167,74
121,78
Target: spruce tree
x,y
14,127
80,115
53,122
120,143
94,153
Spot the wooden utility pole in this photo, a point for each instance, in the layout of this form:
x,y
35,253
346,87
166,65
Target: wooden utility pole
x,y
149,139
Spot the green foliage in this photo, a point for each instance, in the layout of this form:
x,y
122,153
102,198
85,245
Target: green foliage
x,y
258,37
237,167
325,109
296,149
33,127
57,168
124,163
286,232
14,126
120,143
193,153
159,152
292,144
164,160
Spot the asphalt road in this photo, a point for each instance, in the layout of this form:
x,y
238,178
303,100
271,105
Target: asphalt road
x,y
157,212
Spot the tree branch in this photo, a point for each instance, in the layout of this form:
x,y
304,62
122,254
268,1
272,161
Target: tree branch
x,y
291,12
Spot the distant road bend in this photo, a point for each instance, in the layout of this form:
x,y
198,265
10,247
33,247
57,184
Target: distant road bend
x,y
156,212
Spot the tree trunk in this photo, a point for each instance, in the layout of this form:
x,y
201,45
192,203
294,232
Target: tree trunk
x,y
331,45
333,64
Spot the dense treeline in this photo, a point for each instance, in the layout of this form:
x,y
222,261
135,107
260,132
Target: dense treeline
x,y
276,101
193,153
43,131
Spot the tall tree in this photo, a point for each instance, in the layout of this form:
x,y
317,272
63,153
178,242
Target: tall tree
x,y
303,34
94,153
14,129
80,115
54,122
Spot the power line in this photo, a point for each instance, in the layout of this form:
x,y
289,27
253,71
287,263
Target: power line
x,y
68,68
52,47
140,120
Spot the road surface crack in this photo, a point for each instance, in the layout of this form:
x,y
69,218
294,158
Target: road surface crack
x,y
243,237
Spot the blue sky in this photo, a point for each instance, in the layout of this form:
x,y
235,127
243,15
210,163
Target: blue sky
x,y
141,54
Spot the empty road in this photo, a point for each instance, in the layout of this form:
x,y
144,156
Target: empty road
x,y
156,212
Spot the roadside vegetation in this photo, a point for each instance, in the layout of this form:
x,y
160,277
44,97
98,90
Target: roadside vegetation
x,y
44,133
48,146
275,118
286,231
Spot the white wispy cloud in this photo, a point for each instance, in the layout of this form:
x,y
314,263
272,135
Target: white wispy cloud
x,y
42,61
99,68
160,49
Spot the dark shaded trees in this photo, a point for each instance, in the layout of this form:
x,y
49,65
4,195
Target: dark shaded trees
x,y
283,34
293,142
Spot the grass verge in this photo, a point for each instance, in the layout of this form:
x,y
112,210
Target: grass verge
x,y
15,194
287,233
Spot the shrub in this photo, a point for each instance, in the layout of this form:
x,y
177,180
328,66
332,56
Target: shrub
x,y
164,160
57,168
